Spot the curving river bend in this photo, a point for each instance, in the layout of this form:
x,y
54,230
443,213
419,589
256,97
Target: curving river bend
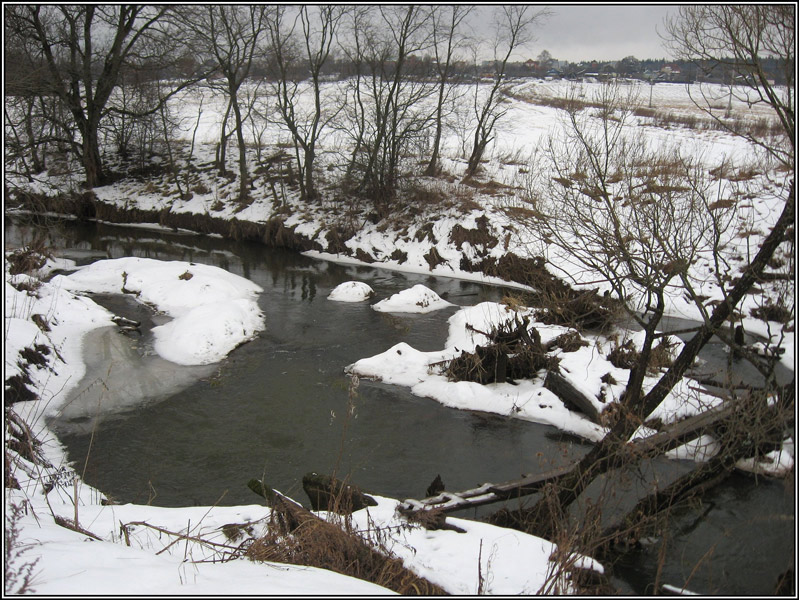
x,y
279,407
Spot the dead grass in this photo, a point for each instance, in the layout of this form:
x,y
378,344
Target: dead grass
x,y
757,128
296,536
19,572
480,237
29,259
722,204
513,352
772,312
626,356
579,310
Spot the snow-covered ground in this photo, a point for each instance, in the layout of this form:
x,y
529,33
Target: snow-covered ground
x,y
212,312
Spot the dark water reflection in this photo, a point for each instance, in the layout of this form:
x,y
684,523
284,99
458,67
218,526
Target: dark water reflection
x,y
278,407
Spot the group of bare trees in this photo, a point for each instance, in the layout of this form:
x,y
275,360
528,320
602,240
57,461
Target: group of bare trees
x,y
312,47
80,54
106,78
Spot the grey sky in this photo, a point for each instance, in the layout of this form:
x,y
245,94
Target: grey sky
x,y
577,32
603,32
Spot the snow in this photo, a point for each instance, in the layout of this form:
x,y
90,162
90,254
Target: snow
x,y
212,311
586,368
351,291
512,562
69,563
418,299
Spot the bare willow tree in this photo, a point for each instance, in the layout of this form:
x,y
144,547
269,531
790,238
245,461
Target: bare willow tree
x,y
231,35
299,55
84,48
637,217
447,39
354,31
389,100
395,97
636,247
513,29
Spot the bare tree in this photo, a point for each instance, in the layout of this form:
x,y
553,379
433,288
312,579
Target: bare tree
x,y
637,217
446,41
389,98
718,34
356,30
311,50
84,49
231,35
396,98
513,29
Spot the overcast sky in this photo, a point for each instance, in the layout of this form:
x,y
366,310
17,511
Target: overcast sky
x,y
600,32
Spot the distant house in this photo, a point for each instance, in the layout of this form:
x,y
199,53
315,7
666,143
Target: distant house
x,y
607,71
670,72
653,76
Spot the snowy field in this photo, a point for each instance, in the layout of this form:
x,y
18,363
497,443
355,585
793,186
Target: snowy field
x,y
212,312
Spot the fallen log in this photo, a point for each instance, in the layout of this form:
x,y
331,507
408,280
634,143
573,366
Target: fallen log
x,y
742,427
669,438
572,397
488,493
262,490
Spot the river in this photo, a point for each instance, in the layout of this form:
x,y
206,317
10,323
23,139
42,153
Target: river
x,y
281,406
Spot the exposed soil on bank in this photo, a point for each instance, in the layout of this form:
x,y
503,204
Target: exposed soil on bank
x,y
275,233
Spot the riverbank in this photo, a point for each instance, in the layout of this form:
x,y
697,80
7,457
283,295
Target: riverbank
x,y
476,241
446,225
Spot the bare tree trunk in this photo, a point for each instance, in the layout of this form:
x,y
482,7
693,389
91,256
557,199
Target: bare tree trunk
x,y
92,161
478,149
443,65
514,26
243,173
221,148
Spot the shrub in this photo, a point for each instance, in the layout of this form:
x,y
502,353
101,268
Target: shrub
x,y
18,574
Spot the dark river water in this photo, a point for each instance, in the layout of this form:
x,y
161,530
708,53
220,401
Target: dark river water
x,y
282,405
